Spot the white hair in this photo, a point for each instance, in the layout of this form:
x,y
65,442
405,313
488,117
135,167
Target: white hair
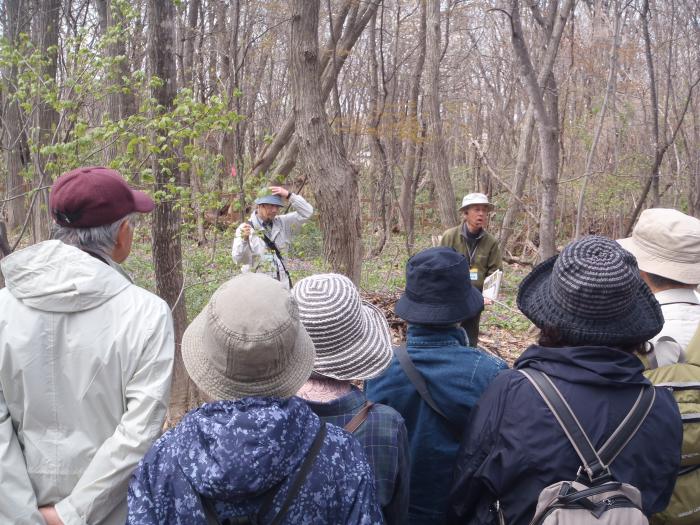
x,y
99,240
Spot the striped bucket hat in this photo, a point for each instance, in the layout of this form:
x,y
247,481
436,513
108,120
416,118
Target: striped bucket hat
x,y
351,336
592,294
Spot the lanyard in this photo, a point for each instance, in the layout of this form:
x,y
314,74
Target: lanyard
x,y
471,254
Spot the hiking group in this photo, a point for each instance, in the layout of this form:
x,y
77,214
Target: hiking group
x,y
314,416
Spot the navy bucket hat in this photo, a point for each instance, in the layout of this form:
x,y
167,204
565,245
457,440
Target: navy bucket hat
x,y
592,294
438,289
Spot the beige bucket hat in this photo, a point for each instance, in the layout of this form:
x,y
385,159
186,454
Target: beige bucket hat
x,y
475,198
351,336
666,242
248,341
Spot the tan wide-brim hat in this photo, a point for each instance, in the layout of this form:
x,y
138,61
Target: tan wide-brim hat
x,y
248,341
666,242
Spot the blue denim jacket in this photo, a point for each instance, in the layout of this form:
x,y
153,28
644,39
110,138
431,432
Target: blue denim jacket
x,y
456,375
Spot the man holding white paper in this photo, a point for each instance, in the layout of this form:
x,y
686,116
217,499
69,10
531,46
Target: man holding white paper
x,y
479,247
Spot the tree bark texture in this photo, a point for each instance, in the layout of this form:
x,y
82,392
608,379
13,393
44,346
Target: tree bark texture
x,y
522,161
439,169
45,36
167,252
356,22
14,140
409,179
547,122
654,101
609,94
332,177
382,179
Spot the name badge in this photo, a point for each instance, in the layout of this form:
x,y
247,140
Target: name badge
x,y
474,274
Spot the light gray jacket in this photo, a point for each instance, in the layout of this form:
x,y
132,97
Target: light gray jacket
x,y
254,255
85,367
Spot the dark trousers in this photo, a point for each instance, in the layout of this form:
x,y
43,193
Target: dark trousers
x,y
471,326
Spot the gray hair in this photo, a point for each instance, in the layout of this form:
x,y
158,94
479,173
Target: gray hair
x,y
99,240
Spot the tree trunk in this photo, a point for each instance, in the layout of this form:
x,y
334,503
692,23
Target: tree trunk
x,y
438,160
14,140
609,94
522,162
333,178
357,22
654,102
119,102
547,122
167,252
409,181
382,177
45,37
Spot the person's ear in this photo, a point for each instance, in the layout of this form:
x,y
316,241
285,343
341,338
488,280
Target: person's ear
x,y
122,246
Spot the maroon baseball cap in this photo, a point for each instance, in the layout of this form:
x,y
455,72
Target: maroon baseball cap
x,y
94,196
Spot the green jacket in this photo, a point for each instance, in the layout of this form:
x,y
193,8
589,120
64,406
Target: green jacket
x,y
486,259
684,381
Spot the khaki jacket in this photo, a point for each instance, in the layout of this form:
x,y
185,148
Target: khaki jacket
x,y
683,379
85,367
487,258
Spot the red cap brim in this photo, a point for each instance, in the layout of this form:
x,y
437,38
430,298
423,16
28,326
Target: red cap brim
x,y
142,202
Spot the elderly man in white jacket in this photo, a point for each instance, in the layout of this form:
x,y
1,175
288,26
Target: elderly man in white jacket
x,y
260,244
666,244
85,361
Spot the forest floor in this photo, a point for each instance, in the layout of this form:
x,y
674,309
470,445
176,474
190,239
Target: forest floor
x,y
504,330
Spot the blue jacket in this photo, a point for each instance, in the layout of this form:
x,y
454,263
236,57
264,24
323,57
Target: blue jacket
x,y
234,452
514,446
456,376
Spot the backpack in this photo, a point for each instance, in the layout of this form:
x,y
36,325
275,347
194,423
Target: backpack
x,y
594,497
683,379
259,517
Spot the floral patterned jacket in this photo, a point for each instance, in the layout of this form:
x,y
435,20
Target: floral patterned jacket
x,y
233,452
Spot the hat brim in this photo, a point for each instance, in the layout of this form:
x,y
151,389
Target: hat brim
x,y
366,357
273,200
687,273
489,204
143,203
285,384
640,322
427,313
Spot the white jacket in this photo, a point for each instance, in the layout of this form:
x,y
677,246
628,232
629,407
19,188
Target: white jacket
x,y
681,309
85,365
252,253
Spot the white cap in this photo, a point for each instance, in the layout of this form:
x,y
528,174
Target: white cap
x,y
475,198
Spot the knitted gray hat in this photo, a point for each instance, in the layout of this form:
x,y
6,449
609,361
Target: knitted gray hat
x,y
592,294
351,336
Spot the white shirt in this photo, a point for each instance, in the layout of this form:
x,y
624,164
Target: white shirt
x,y
681,309
252,253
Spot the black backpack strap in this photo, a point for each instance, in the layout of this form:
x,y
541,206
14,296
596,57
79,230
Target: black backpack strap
x,y
297,482
416,378
594,463
272,246
629,426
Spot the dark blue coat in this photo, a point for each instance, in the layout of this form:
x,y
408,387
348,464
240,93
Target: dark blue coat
x,y
456,376
234,452
514,447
